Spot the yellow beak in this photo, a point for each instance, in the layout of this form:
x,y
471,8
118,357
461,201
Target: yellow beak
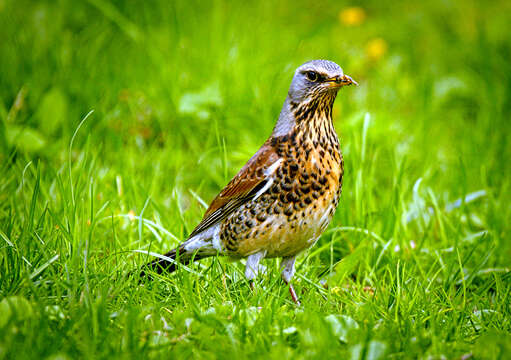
x,y
338,81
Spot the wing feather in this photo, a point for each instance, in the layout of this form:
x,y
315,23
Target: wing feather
x,y
242,188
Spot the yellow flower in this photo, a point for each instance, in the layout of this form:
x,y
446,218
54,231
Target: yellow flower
x,y
376,48
352,16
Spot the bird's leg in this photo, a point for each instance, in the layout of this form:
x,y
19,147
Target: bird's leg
x,y
252,266
288,271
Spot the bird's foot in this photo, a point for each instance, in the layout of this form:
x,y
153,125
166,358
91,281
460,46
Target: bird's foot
x,y
293,295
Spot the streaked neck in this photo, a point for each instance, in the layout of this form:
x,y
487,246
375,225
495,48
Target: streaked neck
x,y
312,114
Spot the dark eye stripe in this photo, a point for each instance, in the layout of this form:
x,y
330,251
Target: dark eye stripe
x,y
314,76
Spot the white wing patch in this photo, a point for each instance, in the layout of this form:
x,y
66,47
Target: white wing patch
x,y
273,167
268,173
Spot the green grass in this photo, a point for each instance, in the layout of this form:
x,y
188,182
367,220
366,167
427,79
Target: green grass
x,y
182,95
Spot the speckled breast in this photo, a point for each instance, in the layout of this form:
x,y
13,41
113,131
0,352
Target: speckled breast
x,y
291,215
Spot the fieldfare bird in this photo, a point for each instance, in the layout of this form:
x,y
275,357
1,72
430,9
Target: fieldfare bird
x,y
284,197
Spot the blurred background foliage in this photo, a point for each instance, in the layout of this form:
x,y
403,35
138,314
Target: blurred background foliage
x,y
203,82
149,68
184,92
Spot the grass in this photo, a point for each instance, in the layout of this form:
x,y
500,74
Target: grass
x,y
416,261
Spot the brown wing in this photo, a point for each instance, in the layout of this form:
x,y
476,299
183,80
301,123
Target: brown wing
x,y
242,188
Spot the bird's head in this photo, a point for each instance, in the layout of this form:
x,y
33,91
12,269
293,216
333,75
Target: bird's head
x,y
317,78
311,94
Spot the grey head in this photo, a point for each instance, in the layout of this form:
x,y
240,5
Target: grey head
x,y
312,80
315,78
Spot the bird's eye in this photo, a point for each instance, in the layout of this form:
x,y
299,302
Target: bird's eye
x,y
311,75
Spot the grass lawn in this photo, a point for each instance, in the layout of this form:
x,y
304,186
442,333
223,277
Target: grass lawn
x,y
121,120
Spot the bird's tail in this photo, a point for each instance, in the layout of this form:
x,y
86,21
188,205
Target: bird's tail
x,y
191,250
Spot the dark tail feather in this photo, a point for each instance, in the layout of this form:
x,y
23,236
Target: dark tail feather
x,y
159,265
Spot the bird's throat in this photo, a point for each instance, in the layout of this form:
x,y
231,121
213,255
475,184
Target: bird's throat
x,y
309,116
314,119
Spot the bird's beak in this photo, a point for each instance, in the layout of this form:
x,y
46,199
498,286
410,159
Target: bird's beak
x,y
338,81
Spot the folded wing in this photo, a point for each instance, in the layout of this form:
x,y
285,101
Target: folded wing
x,y
250,182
